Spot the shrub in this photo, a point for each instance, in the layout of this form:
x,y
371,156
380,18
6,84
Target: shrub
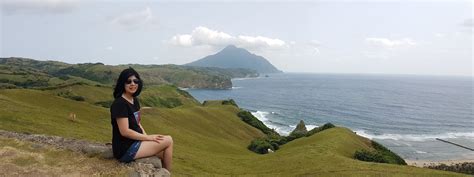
x,y
77,98
390,156
71,96
105,104
369,156
248,118
318,129
381,154
229,102
466,167
161,102
260,146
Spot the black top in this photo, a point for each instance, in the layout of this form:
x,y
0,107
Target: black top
x,y
121,108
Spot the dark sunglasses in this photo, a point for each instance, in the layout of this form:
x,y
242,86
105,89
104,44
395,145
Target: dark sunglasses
x,y
136,81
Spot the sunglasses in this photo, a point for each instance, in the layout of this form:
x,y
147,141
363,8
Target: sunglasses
x,y
136,81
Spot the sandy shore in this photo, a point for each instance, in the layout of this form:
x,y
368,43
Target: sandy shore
x,y
424,163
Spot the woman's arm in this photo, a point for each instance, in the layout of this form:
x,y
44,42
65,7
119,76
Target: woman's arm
x,y
143,130
129,133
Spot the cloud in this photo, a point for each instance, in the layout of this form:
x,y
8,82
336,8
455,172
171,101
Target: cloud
x,y
109,48
439,35
375,55
314,44
132,20
205,36
11,7
390,44
469,23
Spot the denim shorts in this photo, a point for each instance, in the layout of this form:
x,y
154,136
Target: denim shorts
x,y
131,152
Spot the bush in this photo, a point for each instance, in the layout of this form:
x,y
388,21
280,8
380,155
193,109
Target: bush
x,y
318,129
248,118
381,154
260,146
390,156
229,102
71,96
105,104
155,101
369,156
466,167
77,98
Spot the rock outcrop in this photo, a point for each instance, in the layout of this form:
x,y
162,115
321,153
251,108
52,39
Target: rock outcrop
x,y
150,166
300,129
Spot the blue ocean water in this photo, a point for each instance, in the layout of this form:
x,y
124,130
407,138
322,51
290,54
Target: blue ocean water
x,y
406,113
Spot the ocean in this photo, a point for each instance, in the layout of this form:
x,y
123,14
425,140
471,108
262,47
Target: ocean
x,y
403,112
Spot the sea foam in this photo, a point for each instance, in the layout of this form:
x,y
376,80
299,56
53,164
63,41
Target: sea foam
x,y
416,137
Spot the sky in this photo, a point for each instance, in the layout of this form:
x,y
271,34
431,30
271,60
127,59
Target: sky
x,y
372,37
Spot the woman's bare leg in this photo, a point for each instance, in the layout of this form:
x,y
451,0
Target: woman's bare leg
x,y
151,148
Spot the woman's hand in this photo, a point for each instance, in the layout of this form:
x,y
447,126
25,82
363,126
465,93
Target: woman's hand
x,y
156,138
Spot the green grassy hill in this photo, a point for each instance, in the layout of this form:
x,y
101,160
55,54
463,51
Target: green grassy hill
x,y
29,73
209,140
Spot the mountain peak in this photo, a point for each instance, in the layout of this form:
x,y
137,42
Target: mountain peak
x,y
230,47
234,57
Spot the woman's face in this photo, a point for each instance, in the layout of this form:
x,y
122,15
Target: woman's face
x,y
131,85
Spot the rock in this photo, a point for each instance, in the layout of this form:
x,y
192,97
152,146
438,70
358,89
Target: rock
x,y
163,173
93,150
37,146
155,161
108,154
300,129
148,167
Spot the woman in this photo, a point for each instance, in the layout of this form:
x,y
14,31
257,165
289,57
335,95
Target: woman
x,y
130,140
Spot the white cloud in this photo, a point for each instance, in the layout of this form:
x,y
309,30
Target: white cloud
x,y
389,43
10,7
205,36
134,19
109,48
314,44
439,35
468,23
375,55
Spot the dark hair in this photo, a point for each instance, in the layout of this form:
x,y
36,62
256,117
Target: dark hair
x,y
120,84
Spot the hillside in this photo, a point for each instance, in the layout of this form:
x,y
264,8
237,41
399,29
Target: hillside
x,y
29,73
233,57
209,140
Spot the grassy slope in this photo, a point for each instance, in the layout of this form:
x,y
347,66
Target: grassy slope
x,y
21,158
208,140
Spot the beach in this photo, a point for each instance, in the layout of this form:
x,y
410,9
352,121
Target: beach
x,y
426,163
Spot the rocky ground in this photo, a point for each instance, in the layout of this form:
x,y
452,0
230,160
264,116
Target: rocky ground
x,y
27,157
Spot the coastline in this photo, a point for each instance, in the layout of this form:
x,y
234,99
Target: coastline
x,y
426,163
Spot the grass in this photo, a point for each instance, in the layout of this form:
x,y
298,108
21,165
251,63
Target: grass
x,y
21,158
209,140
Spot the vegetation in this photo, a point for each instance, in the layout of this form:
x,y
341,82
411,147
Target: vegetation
x,y
22,158
260,145
229,102
380,154
466,167
318,129
209,140
275,140
248,118
29,73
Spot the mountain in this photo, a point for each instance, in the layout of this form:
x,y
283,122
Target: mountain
x,y
234,57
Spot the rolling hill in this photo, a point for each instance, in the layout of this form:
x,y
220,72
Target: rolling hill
x,y
29,73
209,139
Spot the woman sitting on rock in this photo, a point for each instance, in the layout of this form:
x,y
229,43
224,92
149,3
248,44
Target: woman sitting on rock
x,y
130,140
